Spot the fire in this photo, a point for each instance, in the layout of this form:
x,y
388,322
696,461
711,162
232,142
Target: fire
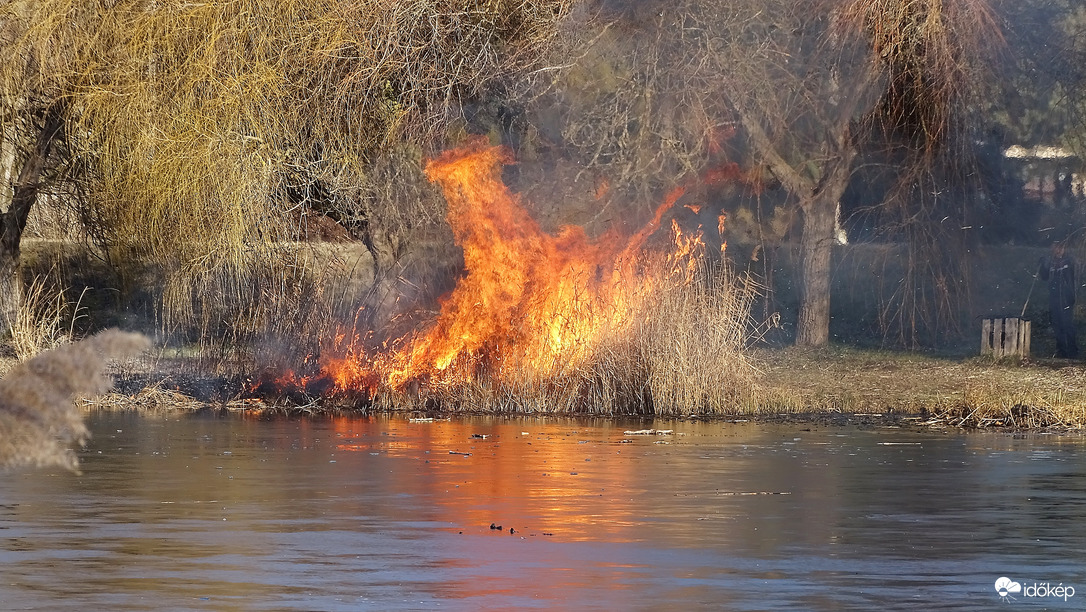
x,y
531,307
530,303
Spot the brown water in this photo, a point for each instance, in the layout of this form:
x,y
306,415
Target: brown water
x,y
204,512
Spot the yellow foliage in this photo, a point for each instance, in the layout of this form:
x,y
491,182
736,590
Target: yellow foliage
x,y
191,119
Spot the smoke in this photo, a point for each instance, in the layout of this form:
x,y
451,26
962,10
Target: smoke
x,y
38,419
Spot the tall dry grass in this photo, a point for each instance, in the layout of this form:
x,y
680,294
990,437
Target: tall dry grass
x,y
693,342
680,352
38,420
44,319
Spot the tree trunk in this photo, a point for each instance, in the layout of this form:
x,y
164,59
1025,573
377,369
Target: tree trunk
x,y
380,302
816,247
819,235
818,201
13,221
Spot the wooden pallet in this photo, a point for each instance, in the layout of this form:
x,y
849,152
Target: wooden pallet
x,y
1005,337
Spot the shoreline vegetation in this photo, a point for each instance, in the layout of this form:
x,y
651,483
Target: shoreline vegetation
x,y
666,366
830,386
746,379
43,399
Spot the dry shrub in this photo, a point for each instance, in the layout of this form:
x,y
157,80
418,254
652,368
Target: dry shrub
x,y
153,399
38,420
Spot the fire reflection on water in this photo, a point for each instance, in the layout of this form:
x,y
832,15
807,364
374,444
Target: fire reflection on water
x,y
535,482
383,513
579,481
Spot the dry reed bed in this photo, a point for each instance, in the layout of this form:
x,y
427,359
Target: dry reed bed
x,y
678,352
938,391
941,391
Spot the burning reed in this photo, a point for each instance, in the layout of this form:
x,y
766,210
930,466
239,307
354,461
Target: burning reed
x,y
560,323
38,420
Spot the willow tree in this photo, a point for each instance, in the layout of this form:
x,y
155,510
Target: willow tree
x,y
195,131
811,82
805,86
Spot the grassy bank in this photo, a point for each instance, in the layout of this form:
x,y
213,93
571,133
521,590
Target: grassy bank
x,y
936,390
926,389
966,392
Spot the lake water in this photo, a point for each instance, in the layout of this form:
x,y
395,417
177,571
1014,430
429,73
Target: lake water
x,y
226,512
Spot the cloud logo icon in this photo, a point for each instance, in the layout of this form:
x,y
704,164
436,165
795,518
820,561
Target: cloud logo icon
x,y
1005,586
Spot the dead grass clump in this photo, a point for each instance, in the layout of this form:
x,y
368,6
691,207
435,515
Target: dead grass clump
x,y
1021,397
38,420
44,319
1016,416
153,399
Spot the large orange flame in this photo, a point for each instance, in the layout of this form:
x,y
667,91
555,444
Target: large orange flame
x,y
530,305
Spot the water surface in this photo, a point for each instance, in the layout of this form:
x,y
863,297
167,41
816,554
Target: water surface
x,y
222,512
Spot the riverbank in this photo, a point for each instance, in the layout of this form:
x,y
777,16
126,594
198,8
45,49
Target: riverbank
x,y
792,383
828,386
955,391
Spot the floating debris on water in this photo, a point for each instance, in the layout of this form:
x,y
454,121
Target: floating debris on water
x,y
736,493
